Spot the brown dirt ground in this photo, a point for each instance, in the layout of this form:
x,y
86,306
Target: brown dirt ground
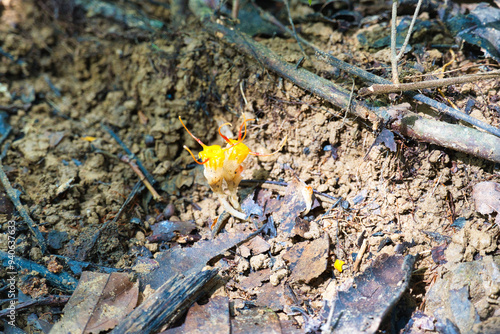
x,y
141,83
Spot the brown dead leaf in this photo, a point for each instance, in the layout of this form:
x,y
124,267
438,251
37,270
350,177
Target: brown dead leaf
x,y
297,199
308,260
486,197
55,138
272,297
254,280
212,317
257,245
99,303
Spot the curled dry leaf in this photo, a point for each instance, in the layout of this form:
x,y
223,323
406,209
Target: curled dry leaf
x,y
486,197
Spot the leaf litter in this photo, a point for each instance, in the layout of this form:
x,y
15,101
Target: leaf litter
x,y
72,185
99,303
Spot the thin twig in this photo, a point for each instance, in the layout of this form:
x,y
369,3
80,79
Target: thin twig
x,y
131,155
410,30
293,27
126,159
236,9
6,132
243,93
359,257
350,101
81,265
280,186
51,300
63,280
14,197
395,58
384,89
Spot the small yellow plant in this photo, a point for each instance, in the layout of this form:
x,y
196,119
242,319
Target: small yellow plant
x,y
225,164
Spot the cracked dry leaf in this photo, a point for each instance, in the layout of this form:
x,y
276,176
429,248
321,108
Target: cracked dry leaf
x,y
486,197
212,317
298,200
308,259
99,303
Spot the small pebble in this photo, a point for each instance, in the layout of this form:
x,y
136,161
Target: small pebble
x,y
259,262
149,140
35,254
276,278
243,265
169,211
140,236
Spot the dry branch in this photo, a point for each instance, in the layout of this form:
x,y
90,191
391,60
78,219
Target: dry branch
x,y
402,87
50,300
457,137
299,76
62,280
14,197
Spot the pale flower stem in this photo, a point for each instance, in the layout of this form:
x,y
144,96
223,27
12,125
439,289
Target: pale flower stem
x,y
231,210
236,9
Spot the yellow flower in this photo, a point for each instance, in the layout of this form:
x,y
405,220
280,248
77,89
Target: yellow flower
x,y
338,265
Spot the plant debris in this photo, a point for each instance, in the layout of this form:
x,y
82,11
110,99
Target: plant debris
x,y
362,307
97,180
99,303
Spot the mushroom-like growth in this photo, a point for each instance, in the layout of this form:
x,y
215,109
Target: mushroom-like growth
x,y
236,152
226,164
213,158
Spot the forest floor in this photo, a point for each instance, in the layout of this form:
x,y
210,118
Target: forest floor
x,y
79,72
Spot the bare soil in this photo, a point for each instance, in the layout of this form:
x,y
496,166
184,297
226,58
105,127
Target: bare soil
x,y
140,83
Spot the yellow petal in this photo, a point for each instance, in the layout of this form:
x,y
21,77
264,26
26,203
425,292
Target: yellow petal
x,y
338,265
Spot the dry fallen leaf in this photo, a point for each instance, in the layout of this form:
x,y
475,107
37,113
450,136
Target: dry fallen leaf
x,y
99,303
257,245
212,317
308,260
298,200
486,197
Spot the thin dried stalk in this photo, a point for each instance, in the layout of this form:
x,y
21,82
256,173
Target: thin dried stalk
x,y
384,89
395,58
